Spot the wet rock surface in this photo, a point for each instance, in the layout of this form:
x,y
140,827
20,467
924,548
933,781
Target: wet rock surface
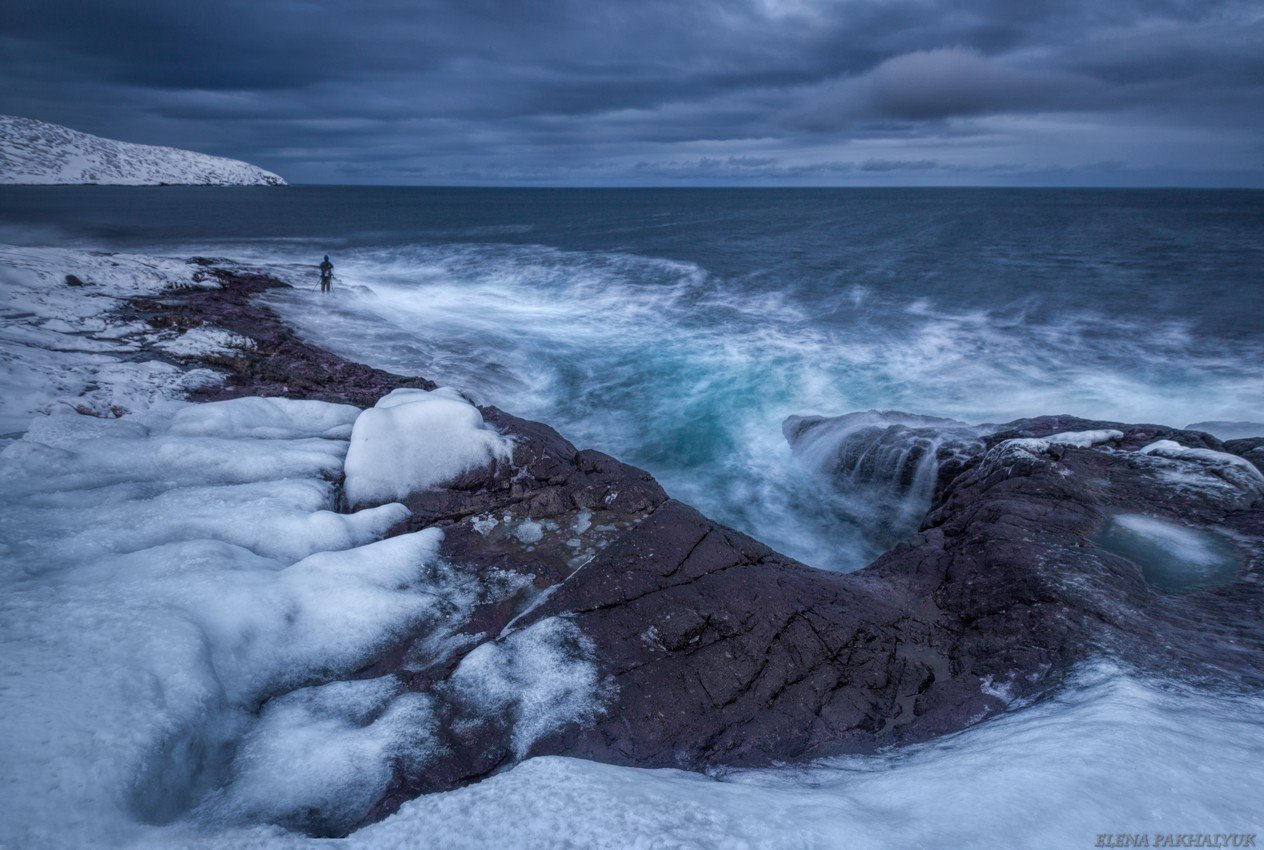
x,y
715,650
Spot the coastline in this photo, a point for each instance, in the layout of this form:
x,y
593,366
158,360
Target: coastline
x,y
710,650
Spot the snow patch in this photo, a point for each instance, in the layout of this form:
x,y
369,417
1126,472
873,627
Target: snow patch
x,y
57,348
1076,439
1239,467
202,341
320,757
413,439
543,675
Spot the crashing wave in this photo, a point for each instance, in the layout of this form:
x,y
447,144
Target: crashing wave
x,y
886,462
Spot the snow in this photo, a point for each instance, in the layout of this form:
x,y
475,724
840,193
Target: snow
x,y
1239,468
320,757
60,347
39,152
181,612
413,439
202,341
266,418
544,672
1085,439
1076,439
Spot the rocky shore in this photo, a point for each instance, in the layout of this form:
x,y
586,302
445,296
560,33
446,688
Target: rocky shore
x,y
1046,542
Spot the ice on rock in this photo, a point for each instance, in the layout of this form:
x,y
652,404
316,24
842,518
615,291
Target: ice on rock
x,y
320,757
174,585
412,440
484,524
1076,439
543,674
1085,439
265,418
202,341
1237,468
529,531
56,345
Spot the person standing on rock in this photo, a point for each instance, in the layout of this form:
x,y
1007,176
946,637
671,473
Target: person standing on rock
x,y
326,275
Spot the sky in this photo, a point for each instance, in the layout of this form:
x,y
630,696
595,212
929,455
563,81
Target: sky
x,y
655,93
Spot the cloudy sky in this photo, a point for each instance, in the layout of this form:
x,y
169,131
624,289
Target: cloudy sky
x,y
646,92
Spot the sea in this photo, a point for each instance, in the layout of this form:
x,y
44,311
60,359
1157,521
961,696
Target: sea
x,y
677,329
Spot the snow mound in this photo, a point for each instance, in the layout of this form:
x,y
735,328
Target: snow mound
x,y
38,152
412,440
320,757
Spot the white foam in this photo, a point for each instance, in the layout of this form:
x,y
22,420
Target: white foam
x,y
686,372
413,439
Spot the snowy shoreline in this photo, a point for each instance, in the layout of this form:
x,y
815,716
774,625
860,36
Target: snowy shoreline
x,y
186,563
261,657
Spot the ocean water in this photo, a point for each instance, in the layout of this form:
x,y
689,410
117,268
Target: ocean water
x,y
158,690
676,329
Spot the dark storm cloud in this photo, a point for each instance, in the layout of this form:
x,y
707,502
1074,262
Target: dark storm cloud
x,y
564,91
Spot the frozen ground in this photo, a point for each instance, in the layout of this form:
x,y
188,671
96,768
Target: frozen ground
x,y
60,350
181,611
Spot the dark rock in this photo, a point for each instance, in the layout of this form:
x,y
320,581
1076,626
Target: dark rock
x,y
279,364
1251,448
74,280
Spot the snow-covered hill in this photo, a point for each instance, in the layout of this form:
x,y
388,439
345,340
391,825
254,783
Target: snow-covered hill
x,y
38,152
